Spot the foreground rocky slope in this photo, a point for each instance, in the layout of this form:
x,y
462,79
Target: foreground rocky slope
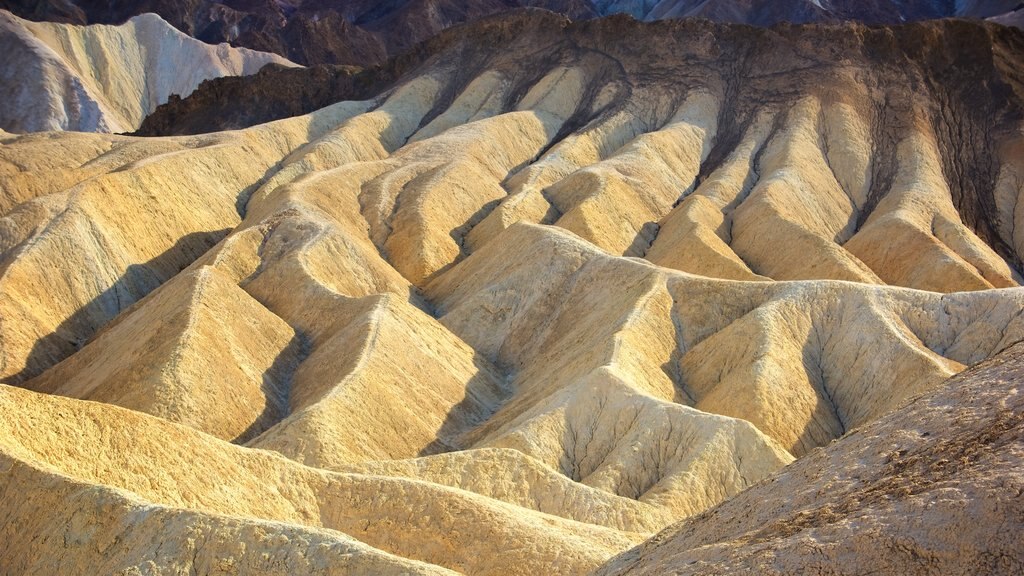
x,y
947,461
104,78
513,315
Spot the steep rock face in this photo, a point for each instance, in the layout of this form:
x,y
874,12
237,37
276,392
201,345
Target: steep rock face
x,y
104,78
275,92
934,490
555,288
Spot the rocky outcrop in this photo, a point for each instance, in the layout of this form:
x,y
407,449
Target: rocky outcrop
x,y
104,78
275,92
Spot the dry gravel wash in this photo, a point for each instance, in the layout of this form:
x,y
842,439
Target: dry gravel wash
x,y
418,333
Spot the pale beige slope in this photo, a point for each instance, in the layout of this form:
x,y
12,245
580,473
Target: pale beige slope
x,y
417,201
34,165
436,189
526,198
798,219
308,258
198,351
696,235
935,491
283,263
511,476
417,205
482,98
113,238
39,89
786,202
610,179
354,398
373,135
103,530
792,224
808,363
175,466
119,74
591,398
392,384
936,251
325,216
610,202
601,432
303,229
802,361
353,390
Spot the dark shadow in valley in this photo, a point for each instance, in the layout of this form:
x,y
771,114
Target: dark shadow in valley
x,y
469,414
276,387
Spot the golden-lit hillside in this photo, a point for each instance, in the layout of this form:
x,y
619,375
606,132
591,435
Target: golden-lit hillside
x,y
529,306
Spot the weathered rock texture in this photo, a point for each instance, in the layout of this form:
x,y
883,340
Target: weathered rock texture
x,y
513,315
104,78
934,488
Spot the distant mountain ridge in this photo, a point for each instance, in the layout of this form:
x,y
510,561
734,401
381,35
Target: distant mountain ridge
x,y
364,33
105,78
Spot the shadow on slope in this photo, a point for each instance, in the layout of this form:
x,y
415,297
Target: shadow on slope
x,y
137,281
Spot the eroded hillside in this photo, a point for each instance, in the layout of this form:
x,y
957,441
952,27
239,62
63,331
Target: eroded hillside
x,y
948,461
105,78
528,306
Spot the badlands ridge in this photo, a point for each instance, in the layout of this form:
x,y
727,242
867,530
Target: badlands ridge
x,y
104,78
556,289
